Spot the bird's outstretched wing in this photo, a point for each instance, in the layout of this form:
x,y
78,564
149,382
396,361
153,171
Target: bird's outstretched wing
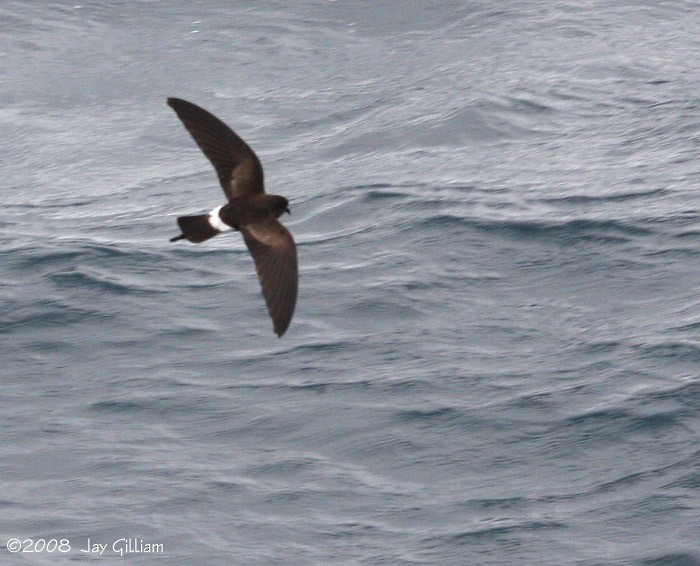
x,y
236,164
275,255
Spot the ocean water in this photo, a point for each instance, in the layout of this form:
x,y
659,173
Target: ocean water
x,y
495,356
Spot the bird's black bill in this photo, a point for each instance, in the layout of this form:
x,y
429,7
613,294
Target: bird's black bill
x,y
288,211
176,238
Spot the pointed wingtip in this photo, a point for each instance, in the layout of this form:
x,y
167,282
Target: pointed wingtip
x,y
280,330
173,102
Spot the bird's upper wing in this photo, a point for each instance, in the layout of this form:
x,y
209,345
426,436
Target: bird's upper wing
x,y
275,255
236,164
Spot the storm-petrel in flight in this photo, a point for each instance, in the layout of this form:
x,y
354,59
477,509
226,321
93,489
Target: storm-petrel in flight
x,y
248,210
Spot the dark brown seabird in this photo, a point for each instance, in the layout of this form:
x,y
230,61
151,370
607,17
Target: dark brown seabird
x,y
249,210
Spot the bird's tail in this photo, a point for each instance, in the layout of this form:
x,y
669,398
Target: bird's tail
x,y
195,228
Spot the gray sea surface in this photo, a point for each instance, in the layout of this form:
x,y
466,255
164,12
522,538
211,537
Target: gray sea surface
x,y
495,357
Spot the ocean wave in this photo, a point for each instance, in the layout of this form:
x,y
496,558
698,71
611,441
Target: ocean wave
x,y
687,558
579,229
624,196
53,313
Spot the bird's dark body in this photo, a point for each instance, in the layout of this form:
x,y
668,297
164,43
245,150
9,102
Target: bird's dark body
x,y
248,210
251,209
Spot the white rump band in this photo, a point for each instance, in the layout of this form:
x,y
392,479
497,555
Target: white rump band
x,y
216,222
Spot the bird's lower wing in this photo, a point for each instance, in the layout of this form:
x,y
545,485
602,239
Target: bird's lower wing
x,y
275,256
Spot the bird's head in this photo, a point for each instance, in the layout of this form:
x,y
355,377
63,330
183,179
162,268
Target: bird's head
x,y
281,205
